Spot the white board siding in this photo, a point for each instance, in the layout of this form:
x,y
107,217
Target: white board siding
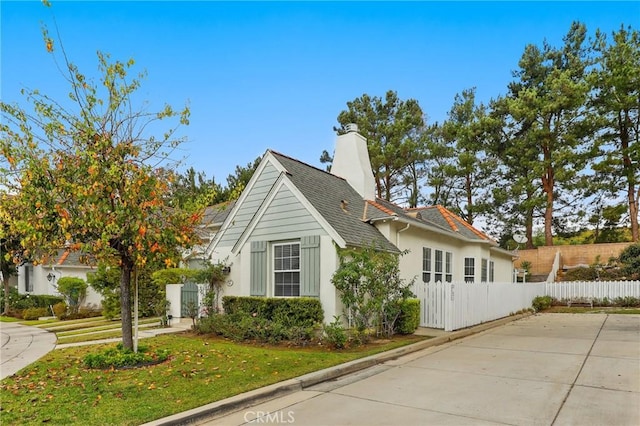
x,y
250,206
286,218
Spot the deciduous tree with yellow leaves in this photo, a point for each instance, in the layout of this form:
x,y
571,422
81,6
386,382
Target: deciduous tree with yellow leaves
x,y
89,176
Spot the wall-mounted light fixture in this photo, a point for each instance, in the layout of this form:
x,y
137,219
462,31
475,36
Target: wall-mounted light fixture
x,y
51,277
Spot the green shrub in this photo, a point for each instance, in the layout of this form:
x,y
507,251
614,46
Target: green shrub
x,y
409,319
593,273
334,334
299,336
74,290
540,303
630,260
110,304
121,358
627,302
19,302
300,311
239,327
34,313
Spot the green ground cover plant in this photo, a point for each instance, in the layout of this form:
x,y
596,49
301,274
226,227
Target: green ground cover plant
x,y
200,370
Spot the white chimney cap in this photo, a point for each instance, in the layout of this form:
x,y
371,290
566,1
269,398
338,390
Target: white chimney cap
x,y
351,127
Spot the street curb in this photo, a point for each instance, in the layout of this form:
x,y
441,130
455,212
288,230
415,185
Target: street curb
x,y
248,399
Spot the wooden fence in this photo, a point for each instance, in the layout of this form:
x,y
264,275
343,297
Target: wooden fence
x,y
452,306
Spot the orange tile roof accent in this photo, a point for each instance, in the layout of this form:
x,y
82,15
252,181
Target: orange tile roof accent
x,y
452,218
63,257
448,216
468,226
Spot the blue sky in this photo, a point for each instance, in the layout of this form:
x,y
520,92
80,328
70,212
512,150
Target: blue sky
x,y
275,75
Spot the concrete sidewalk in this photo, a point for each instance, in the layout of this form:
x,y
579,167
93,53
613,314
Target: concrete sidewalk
x,y
23,345
549,369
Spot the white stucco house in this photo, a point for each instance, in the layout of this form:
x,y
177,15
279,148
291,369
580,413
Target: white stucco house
x,y
43,278
281,237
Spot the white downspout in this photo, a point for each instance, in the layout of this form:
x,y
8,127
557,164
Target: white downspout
x,y
398,235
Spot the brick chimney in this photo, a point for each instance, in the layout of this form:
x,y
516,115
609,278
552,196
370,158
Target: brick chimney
x,y
351,162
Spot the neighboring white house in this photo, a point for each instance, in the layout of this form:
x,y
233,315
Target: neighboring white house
x,y
281,237
43,278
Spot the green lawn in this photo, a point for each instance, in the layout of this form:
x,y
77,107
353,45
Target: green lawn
x,y
59,390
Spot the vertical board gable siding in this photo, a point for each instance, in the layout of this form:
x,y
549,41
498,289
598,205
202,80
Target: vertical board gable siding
x,y
250,206
258,268
285,218
310,266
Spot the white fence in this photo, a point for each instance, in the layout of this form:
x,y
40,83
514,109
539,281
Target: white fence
x,y
452,306
593,289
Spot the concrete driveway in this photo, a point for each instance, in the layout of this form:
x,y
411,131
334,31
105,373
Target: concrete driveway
x,y
20,345
550,369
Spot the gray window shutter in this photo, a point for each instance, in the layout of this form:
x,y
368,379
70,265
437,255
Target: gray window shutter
x,y
258,268
310,266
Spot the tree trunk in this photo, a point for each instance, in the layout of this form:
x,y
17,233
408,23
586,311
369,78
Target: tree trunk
x,y
630,174
633,212
528,232
125,302
548,220
548,182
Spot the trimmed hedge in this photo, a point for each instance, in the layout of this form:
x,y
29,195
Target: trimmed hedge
x,y
26,301
290,312
409,318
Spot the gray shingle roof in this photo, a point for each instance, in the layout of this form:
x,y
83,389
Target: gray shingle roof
x,y
328,194
215,215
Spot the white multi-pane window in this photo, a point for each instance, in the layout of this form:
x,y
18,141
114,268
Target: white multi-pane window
x,y
469,269
286,269
448,267
438,266
484,270
426,264
491,271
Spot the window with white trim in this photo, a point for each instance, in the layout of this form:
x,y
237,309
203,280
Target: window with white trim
x,y
448,267
286,269
469,269
484,270
491,271
426,264
438,266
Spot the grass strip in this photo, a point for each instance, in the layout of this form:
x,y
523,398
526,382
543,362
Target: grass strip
x,y
111,326
594,310
200,370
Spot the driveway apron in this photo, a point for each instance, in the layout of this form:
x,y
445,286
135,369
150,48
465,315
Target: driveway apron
x,y
22,345
550,369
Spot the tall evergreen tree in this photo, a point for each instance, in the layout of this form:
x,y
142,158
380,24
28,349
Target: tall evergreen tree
x,y
473,167
616,103
392,128
546,106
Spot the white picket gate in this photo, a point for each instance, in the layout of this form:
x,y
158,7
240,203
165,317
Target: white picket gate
x,y
452,306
